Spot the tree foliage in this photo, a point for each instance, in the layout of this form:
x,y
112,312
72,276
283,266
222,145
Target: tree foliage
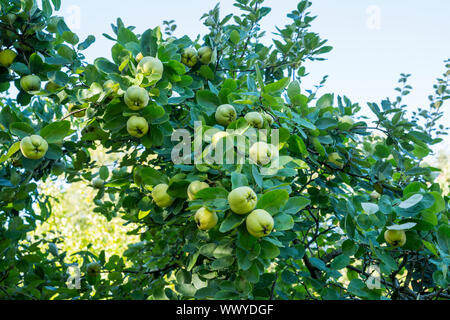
x,y
329,225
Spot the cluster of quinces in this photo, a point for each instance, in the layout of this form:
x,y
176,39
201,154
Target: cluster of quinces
x,y
241,200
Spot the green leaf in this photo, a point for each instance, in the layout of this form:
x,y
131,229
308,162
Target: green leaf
x,y
206,292
324,49
153,111
252,274
212,193
125,36
295,204
305,123
300,100
326,123
12,150
20,68
226,295
235,37
104,172
387,259
430,217
143,214
269,250
177,189
206,72
58,77
70,37
54,152
56,131
176,66
276,86
349,248
289,277
148,42
222,263
293,89
86,43
297,145
283,222
273,201
340,262
57,4
415,204
382,151
238,180
363,221
370,208
46,8
438,205
414,187
243,260
357,287
36,63
231,222
106,66
430,247
21,129
151,176
443,237
192,260
325,101
207,99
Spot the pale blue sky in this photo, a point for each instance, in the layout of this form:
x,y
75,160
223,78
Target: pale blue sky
x,y
410,36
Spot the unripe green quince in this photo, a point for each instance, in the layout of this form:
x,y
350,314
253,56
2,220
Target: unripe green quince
x,y
33,147
189,57
218,136
150,65
7,58
98,183
255,119
137,126
50,86
335,159
161,197
375,195
30,83
73,107
267,118
194,187
110,84
259,223
205,54
242,200
345,122
262,153
136,98
225,114
93,269
205,219
396,238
